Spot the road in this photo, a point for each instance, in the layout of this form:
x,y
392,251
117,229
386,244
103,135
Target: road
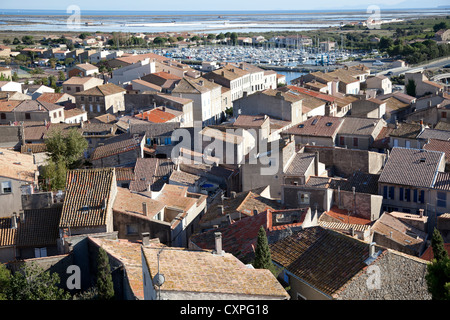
x,y
431,65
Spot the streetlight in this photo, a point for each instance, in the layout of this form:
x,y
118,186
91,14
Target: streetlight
x,y
159,279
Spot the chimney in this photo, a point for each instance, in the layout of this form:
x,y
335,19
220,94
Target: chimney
x,y
396,124
233,194
145,239
221,209
339,197
144,208
316,164
218,242
14,221
421,213
371,249
22,216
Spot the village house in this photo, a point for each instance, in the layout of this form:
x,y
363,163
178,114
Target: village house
x,y
232,77
82,70
307,256
423,86
239,238
379,82
179,284
18,176
402,232
32,110
118,153
273,103
170,216
318,130
359,133
31,234
134,71
405,135
101,99
78,84
88,202
206,97
166,81
414,180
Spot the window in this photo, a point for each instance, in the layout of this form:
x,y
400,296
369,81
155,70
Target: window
x,y
132,229
444,114
82,98
415,195
6,187
40,252
54,115
341,141
3,115
60,113
401,194
422,196
395,142
27,116
442,199
391,192
303,198
408,144
355,142
385,192
68,88
407,195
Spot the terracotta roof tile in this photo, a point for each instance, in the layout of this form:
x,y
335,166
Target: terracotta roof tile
x,y
87,198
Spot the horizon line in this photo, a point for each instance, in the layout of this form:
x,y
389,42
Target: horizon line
x,y
236,10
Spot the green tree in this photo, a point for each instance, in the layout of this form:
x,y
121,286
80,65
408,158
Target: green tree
x,y
27,40
263,258
16,41
33,283
14,77
439,26
54,175
104,279
68,147
233,38
411,88
6,41
5,279
61,75
438,271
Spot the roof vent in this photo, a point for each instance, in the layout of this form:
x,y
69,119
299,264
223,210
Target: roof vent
x,y
329,124
422,159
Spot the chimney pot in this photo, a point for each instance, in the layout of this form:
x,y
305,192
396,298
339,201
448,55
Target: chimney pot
x,y
146,238
218,242
144,208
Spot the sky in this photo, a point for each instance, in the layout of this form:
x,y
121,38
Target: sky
x,y
211,5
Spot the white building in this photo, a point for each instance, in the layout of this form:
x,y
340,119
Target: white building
x,y
133,71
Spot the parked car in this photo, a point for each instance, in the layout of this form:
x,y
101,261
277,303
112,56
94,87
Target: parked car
x,y
378,63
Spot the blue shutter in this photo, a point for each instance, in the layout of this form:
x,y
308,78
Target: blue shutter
x,y
401,194
415,195
385,192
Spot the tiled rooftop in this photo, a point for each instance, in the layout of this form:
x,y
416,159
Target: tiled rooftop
x,y
320,126
203,272
87,197
323,258
411,167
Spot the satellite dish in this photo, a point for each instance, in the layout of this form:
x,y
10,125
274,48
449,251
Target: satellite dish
x,y
158,279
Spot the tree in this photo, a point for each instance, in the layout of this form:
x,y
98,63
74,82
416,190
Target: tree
x,y
5,279
437,244
438,271
61,75
6,41
411,88
27,40
68,147
16,41
54,175
33,283
104,279
263,258
439,26
234,38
